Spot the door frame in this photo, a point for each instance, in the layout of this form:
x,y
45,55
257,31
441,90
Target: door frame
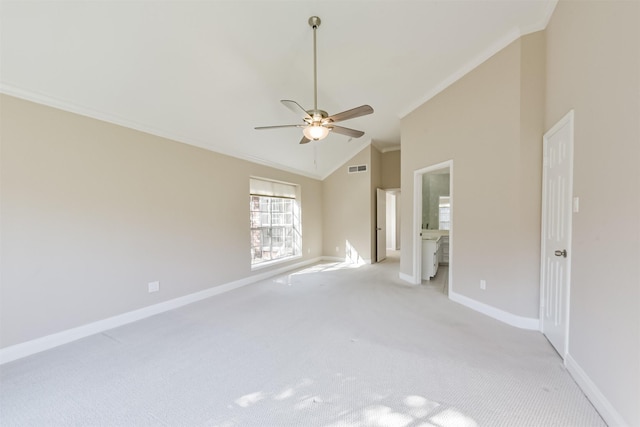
x,y
381,233
417,219
568,119
395,192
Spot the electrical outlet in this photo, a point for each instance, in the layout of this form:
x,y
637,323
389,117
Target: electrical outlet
x,y
154,286
483,284
308,250
337,249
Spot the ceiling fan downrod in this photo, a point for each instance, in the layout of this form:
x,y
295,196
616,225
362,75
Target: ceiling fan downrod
x,y
314,22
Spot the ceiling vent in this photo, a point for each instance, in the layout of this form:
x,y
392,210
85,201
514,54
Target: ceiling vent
x,y
357,169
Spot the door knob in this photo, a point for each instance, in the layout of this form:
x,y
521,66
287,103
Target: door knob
x,y
562,253
379,229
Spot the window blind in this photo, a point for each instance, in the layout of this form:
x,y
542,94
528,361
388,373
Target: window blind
x,y
261,187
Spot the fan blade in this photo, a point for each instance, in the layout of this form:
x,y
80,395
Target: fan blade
x,y
346,131
304,140
280,126
362,110
296,108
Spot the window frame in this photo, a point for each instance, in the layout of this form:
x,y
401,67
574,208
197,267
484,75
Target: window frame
x,y
444,209
274,219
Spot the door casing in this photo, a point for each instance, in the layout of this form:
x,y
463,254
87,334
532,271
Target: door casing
x,y
381,224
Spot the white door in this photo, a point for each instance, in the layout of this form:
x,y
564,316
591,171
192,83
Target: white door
x,y
391,221
381,225
557,196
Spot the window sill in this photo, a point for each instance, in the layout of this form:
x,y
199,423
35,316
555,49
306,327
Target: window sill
x,y
268,264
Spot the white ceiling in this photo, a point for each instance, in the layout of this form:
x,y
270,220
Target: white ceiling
x,y
206,72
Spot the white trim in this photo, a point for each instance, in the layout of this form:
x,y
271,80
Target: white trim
x,y
409,279
550,8
491,50
395,190
338,259
451,227
333,259
37,345
389,149
494,48
417,227
271,263
496,313
593,393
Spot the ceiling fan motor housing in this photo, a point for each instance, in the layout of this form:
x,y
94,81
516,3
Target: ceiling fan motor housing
x,y
317,115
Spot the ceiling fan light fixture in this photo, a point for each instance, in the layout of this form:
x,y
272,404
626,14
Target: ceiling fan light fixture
x,y
317,123
315,132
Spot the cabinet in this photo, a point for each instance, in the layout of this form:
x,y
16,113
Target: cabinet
x,y
444,250
430,257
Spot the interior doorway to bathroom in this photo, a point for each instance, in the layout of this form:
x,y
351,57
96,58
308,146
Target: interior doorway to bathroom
x,y
433,220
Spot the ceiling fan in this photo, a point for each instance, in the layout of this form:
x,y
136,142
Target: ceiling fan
x,y
317,123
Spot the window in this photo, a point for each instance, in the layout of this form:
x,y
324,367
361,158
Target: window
x,y
276,231
444,213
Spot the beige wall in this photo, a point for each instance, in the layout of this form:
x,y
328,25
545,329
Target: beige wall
x,y
346,215
529,162
391,169
593,67
390,164
92,212
477,123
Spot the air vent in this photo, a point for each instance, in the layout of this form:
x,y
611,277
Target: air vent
x,y
357,169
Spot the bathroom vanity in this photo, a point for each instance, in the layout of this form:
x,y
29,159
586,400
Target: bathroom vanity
x,y
435,250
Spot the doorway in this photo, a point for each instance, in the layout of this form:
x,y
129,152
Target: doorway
x,y
381,225
387,223
430,219
393,224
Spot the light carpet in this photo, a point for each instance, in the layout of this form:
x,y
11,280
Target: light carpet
x,y
329,345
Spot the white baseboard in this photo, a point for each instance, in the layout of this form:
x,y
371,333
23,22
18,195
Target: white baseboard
x,y
496,313
333,259
409,279
360,261
37,345
593,393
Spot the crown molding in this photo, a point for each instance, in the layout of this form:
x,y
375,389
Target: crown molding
x,y
71,107
389,149
491,50
494,48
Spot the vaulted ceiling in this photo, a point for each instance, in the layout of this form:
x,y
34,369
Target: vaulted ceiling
x,y
207,72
